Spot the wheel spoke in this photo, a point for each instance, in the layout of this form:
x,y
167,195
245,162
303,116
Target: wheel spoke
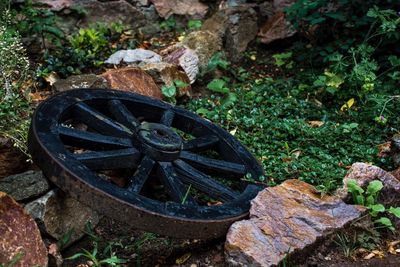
x,y
92,141
176,189
99,122
141,174
204,183
122,114
201,143
109,160
167,117
214,165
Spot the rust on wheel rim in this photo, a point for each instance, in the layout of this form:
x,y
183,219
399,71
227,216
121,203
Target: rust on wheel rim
x,y
170,163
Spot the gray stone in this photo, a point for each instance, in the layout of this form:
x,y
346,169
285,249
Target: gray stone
x,y
79,81
133,56
286,220
236,25
25,185
205,44
364,173
191,8
58,214
111,11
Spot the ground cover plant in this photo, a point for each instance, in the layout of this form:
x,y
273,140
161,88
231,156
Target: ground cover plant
x,y
308,111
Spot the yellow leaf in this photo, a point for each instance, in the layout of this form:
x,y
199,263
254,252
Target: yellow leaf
x,y
180,38
253,57
181,260
346,106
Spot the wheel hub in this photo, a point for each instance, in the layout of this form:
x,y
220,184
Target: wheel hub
x,y
159,142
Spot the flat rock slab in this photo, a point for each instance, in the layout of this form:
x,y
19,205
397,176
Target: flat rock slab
x,y
25,185
285,220
20,239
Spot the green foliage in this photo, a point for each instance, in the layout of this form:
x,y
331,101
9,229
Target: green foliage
x,y
169,24
170,91
351,51
86,49
217,61
14,94
108,255
284,60
271,118
194,24
369,198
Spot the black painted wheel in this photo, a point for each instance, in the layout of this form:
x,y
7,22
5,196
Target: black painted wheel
x,y
157,167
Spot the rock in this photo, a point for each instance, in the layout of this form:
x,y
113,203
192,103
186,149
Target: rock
x,y
133,56
363,173
187,59
237,25
164,74
395,150
192,8
58,214
205,44
79,81
280,5
20,238
111,11
55,5
12,160
132,79
275,28
286,221
25,185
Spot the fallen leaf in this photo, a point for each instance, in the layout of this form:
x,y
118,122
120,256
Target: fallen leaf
x,y
183,259
52,78
346,106
315,124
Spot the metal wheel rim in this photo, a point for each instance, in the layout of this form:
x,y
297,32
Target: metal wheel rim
x,y
170,218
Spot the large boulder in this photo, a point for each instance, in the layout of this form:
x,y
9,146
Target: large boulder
x,y
132,79
20,239
191,8
25,185
236,25
276,27
111,11
286,221
59,215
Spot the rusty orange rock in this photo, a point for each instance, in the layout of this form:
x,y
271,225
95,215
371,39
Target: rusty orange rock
x,y
285,219
20,238
132,79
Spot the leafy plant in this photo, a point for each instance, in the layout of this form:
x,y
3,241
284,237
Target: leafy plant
x,y
14,94
369,199
86,49
284,60
194,24
170,91
168,24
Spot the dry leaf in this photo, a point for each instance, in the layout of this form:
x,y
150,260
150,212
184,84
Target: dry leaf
x,y
384,150
52,78
183,259
315,124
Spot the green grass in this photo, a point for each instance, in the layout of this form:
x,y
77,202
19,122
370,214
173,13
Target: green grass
x,y
271,119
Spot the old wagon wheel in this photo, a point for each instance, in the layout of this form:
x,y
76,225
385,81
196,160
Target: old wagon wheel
x,y
155,166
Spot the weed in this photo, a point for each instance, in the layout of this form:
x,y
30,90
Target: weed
x,y
171,91
346,243
369,198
